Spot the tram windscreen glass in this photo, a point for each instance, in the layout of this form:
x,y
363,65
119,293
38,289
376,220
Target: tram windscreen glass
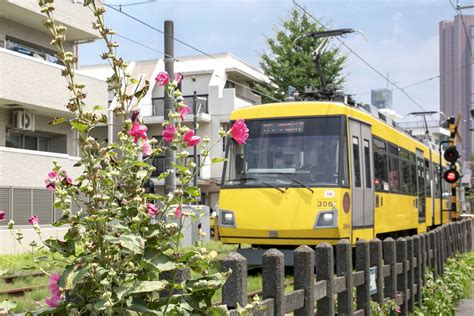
x,y
289,153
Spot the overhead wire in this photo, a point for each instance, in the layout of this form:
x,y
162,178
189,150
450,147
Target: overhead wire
x,y
187,45
361,58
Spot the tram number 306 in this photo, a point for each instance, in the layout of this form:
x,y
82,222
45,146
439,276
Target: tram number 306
x,y
325,204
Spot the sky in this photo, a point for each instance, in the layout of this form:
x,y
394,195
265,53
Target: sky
x,y
402,37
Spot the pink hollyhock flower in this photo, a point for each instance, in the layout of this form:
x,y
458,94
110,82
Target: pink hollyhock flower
x,y
3,215
178,77
152,209
191,139
135,115
68,180
239,131
138,131
162,78
53,286
398,310
52,174
183,111
169,133
33,220
50,186
177,212
146,149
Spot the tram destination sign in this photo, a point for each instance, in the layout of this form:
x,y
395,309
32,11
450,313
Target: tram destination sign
x,y
283,127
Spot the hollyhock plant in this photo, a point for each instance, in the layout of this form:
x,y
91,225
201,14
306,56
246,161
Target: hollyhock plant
x,y
3,215
183,111
178,77
169,132
117,248
162,79
191,139
138,131
33,220
239,131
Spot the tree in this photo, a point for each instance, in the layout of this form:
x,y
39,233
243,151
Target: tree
x,y
290,61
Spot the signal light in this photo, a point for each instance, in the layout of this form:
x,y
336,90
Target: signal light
x,y
451,176
451,155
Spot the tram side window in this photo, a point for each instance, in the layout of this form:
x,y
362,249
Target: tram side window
x,y
436,180
393,169
380,165
405,171
368,176
412,160
427,178
355,148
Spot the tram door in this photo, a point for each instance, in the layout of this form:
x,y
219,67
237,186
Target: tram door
x,y
420,180
362,183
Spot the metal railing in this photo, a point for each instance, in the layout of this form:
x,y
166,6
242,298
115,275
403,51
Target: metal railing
x,y
29,51
158,104
159,164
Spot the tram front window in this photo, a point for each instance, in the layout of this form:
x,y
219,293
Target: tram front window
x,y
289,153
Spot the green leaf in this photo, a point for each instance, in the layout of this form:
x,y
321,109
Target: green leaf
x,y
158,261
57,121
7,306
141,164
193,191
133,243
149,286
163,175
98,108
78,126
220,310
216,160
2,272
78,249
134,81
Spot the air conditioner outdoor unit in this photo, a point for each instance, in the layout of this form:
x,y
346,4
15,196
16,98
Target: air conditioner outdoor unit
x,y
23,120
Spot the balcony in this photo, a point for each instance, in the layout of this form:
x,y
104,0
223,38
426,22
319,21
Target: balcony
x,y
34,83
29,168
71,13
202,106
159,164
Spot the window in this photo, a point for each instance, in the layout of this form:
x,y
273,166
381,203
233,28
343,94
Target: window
x,y
380,165
393,169
28,142
406,187
355,149
436,181
368,176
412,160
224,126
427,178
288,152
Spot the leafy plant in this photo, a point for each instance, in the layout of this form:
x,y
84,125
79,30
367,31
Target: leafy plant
x,y
122,250
389,307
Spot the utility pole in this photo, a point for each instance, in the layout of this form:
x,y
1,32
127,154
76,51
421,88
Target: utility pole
x,y
170,156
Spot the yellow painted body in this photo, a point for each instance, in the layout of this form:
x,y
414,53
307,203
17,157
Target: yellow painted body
x,y
265,216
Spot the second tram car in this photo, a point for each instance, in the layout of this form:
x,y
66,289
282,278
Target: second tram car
x,y
313,172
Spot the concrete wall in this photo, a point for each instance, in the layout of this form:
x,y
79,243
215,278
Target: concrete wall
x,y
29,168
39,85
9,246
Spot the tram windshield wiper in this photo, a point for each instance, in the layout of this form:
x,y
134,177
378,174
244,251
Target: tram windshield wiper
x,y
258,180
296,181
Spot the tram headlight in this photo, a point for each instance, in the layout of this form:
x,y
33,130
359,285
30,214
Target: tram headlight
x,y
226,218
326,219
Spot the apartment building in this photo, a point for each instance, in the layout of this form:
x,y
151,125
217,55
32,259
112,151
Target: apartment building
x,y
221,82
32,93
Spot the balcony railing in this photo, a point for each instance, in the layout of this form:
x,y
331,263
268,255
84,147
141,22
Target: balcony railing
x,y
30,51
158,104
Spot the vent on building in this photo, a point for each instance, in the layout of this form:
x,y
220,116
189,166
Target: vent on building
x,y
23,120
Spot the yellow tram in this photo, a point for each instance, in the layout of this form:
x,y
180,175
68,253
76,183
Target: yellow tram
x,y
315,172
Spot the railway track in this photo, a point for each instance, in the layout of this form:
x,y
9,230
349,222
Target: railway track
x,y
10,279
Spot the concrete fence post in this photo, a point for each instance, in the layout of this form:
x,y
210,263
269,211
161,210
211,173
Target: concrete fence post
x,y
273,279
389,257
458,243
442,249
325,271
434,251
448,240
235,288
344,268
418,268
363,264
411,274
304,278
402,278
439,251
423,258
469,234
463,236
376,260
181,276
